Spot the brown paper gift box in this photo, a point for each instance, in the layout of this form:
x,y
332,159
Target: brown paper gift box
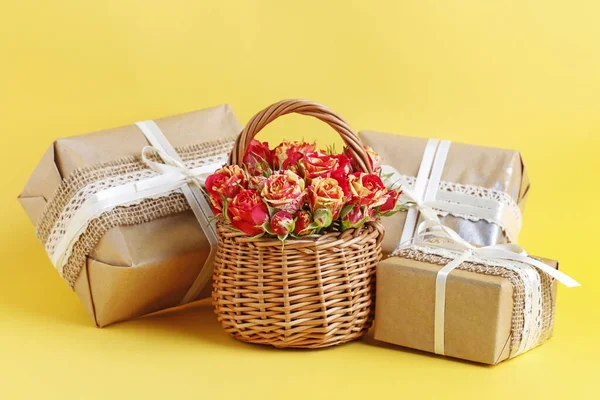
x,y
137,269
478,316
466,164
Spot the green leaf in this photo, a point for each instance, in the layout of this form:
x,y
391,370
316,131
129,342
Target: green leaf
x,y
346,209
272,210
225,208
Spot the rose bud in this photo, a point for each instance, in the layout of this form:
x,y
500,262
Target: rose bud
x,y
392,199
326,193
287,154
247,212
355,218
284,190
304,223
258,159
282,223
316,165
367,189
323,217
375,160
225,183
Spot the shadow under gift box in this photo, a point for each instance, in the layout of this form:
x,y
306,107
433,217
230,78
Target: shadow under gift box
x,y
480,313
468,168
134,269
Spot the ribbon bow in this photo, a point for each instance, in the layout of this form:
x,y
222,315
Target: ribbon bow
x,y
410,194
172,170
464,250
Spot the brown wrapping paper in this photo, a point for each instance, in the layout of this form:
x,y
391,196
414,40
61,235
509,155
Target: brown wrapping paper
x,y
493,168
134,270
478,310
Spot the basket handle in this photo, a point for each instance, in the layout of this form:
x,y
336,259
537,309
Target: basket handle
x,y
304,107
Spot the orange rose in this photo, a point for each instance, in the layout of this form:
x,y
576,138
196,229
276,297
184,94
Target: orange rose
x,y
317,164
326,193
284,190
367,190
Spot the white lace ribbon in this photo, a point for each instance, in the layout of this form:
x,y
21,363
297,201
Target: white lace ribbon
x,y
459,250
429,201
174,175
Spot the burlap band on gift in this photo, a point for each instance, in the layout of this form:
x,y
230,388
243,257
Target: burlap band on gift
x,y
548,303
87,181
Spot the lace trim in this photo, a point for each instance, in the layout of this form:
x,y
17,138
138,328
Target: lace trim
x,y
75,202
88,181
475,191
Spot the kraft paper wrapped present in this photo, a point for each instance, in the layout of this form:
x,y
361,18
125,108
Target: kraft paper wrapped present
x,y
477,191
122,227
477,304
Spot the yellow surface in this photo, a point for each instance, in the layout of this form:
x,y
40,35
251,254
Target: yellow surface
x,y
517,74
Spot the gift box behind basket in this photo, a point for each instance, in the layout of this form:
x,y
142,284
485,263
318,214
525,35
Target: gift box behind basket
x,y
477,191
134,257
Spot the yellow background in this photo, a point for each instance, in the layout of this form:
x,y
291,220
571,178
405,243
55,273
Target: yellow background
x,y
517,74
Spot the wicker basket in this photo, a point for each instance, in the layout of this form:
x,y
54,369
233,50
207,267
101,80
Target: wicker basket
x,y
319,290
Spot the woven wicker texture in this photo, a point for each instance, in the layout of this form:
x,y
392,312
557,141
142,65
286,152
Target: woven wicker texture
x,y
313,292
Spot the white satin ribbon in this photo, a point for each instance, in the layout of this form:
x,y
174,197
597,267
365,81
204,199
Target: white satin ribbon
x,y
174,175
417,194
192,190
463,251
429,201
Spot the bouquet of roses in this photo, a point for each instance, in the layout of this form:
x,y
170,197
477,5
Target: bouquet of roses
x,y
297,190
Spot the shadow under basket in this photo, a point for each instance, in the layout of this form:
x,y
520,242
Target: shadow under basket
x,y
315,292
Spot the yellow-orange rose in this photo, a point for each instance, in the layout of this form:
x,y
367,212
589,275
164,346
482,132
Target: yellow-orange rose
x,y
367,190
326,193
284,190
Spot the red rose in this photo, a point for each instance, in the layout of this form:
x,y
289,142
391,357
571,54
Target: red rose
x,y
258,159
342,179
304,223
392,199
287,154
225,183
282,223
344,163
247,212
